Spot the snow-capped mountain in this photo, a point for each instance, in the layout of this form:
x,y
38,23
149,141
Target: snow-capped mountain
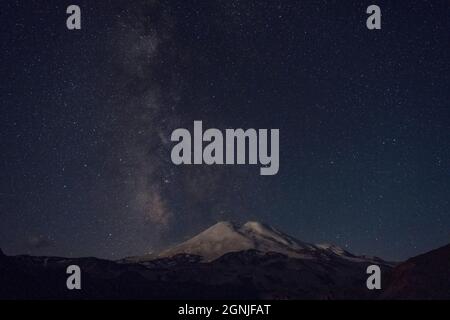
x,y
226,237
227,261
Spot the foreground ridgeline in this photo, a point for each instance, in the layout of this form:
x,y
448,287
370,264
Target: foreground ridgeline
x,y
228,261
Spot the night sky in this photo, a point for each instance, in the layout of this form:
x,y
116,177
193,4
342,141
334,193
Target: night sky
x,y
87,115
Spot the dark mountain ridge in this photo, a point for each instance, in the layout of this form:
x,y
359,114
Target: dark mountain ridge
x,y
252,261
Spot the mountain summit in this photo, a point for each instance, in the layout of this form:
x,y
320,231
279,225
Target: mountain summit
x,y
226,237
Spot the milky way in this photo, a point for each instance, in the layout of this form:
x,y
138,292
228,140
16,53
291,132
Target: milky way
x,y
363,118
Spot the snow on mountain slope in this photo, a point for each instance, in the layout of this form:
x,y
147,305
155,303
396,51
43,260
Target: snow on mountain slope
x,y
226,237
212,243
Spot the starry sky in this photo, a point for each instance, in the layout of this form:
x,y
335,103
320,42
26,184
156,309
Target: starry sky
x,y
87,115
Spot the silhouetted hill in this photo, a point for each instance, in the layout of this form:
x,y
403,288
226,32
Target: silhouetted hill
x,y
426,276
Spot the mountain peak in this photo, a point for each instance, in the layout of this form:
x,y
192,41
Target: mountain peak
x,y
223,225
213,242
226,237
255,226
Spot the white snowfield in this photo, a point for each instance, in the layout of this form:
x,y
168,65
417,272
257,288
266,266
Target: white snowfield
x,y
226,237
